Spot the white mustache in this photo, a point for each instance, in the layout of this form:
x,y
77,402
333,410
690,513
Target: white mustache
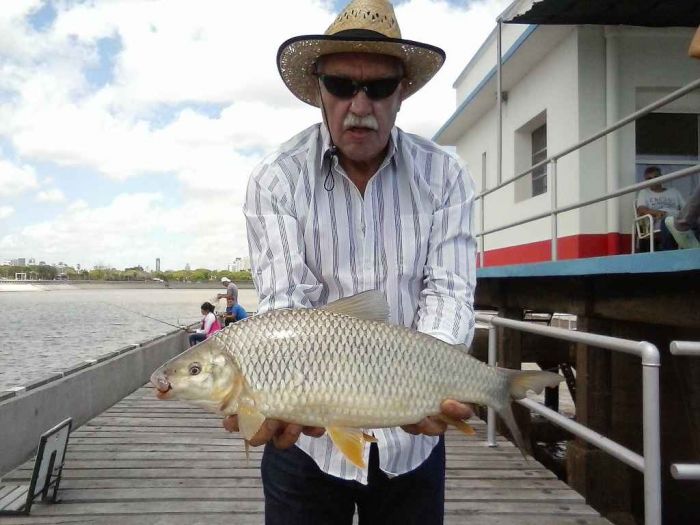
x,y
353,121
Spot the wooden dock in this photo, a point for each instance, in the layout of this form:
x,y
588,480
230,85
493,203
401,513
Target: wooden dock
x,y
149,462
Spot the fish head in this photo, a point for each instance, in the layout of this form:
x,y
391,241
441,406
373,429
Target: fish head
x,y
204,375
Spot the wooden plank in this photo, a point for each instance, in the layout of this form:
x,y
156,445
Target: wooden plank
x,y
134,465
257,519
15,498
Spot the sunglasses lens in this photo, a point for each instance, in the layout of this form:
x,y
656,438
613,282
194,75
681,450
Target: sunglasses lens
x,y
338,86
382,88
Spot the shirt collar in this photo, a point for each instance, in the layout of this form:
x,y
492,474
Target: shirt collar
x,y
326,144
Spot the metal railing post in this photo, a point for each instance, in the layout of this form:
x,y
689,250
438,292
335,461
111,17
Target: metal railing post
x,y
555,234
483,237
651,361
491,418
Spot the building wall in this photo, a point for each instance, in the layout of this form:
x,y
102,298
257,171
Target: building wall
x,y
568,85
550,88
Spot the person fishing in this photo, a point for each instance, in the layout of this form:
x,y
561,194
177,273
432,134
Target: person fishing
x,y
352,204
210,324
234,312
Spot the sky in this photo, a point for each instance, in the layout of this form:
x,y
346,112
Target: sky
x,y
129,128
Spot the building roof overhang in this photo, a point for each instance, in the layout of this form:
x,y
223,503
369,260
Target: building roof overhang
x,y
649,13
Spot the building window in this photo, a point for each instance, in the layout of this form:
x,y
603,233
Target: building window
x,y
530,147
670,141
539,153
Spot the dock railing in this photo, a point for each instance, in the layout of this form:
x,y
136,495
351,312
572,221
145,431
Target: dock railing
x,y
686,471
551,163
650,463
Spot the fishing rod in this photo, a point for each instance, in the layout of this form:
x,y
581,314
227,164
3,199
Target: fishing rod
x,y
147,316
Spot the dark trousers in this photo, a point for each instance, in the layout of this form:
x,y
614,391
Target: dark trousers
x,y
197,338
297,492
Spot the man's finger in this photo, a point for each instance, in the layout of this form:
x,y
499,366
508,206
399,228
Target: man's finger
x,y
287,436
314,431
231,423
456,410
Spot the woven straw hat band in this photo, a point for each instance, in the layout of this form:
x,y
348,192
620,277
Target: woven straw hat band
x,y
372,15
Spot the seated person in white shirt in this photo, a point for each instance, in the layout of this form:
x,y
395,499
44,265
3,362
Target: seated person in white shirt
x,y
355,204
658,200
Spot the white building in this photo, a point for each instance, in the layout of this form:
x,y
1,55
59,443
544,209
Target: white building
x,y
241,264
562,84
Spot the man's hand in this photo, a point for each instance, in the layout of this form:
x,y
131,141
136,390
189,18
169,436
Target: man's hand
x,y
432,426
283,435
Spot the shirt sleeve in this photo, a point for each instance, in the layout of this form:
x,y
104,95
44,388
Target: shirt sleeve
x,y
276,242
446,307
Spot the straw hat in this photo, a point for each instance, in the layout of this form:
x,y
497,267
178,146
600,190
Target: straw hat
x,y
364,26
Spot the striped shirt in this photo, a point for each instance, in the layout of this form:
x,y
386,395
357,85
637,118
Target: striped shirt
x,y
409,236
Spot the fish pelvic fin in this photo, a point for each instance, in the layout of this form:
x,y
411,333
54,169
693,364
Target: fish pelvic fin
x,y
520,381
459,424
370,305
351,442
250,419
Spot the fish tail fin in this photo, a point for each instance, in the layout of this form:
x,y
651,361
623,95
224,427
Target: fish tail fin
x,y
519,382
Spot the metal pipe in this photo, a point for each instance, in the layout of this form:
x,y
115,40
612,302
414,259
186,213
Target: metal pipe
x,y
651,435
612,156
555,235
627,189
499,102
625,455
629,118
685,471
491,418
685,348
627,346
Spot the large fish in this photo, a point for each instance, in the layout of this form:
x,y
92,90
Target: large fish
x,y
341,367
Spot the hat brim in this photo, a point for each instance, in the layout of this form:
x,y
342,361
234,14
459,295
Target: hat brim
x,y
296,58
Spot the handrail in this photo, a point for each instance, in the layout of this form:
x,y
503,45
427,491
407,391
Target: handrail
x,y
613,127
690,471
650,463
552,160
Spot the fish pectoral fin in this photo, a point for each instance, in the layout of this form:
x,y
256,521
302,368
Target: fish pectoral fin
x,y
370,305
351,442
459,424
250,419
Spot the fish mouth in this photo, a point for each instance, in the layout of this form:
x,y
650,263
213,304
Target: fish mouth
x,y
163,386
163,394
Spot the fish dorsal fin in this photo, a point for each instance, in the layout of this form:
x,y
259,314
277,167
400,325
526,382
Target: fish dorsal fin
x,y
351,442
370,305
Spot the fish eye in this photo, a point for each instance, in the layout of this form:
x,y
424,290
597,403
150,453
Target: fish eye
x,y
195,368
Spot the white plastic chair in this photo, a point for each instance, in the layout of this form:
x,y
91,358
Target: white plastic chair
x,y
643,228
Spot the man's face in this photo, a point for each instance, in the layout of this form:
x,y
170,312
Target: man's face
x,y
651,175
360,126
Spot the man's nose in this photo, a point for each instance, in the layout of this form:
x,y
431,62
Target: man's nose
x,y
361,105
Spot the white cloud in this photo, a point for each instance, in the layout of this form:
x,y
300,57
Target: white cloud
x,y
154,114
6,211
53,195
16,179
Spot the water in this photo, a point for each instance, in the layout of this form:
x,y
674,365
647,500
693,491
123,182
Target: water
x,y
42,333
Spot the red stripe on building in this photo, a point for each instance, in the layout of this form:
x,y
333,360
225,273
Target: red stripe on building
x,y
572,247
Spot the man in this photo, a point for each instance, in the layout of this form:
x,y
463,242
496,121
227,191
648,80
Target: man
x,y
657,200
231,290
355,204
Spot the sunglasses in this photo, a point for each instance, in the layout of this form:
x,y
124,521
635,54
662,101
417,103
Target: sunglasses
x,y
343,87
